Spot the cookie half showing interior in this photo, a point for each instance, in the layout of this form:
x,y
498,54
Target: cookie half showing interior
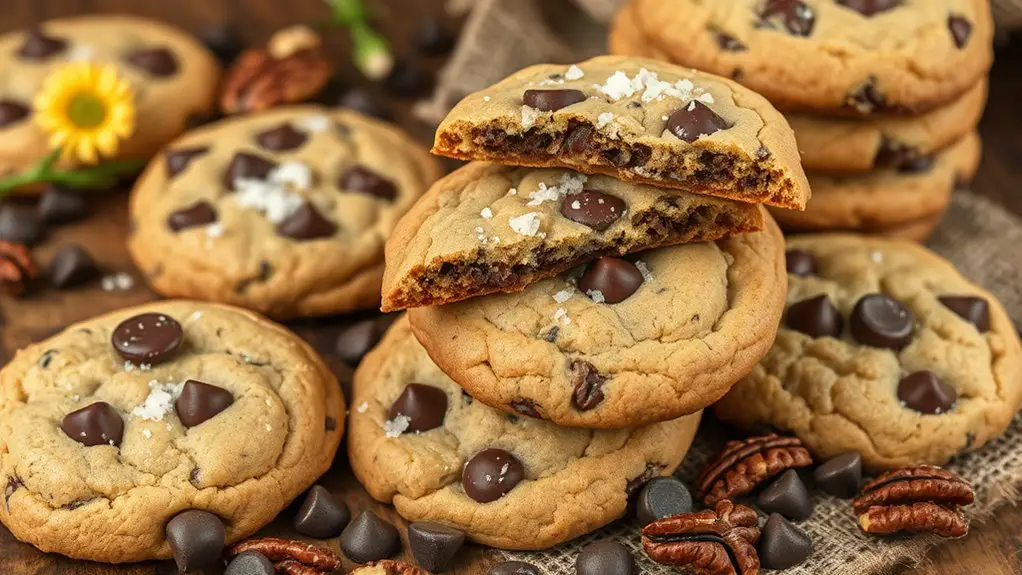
x,y
635,119
488,228
418,441
618,342
885,350
121,423
285,212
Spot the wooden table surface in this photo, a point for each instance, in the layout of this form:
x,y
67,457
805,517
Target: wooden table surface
x,y
991,549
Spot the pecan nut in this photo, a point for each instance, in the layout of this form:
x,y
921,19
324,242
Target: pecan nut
x,y
922,499
283,553
16,268
389,567
744,465
721,541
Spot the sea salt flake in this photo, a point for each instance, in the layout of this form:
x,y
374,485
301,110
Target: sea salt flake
x,y
147,433
117,282
269,198
564,295
576,205
487,98
512,192
706,98
318,123
526,224
215,230
561,315
574,73
395,427
159,402
603,119
567,185
877,257
298,175
529,116
486,213
596,296
362,407
691,106
646,275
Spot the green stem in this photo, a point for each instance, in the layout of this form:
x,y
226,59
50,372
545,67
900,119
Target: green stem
x,y
102,175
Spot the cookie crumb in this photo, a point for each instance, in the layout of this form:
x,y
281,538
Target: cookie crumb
x,y
395,427
529,116
574,73
564,295
362,407
117,282
512,192
147,433
526,224
603,119
269,427
646,275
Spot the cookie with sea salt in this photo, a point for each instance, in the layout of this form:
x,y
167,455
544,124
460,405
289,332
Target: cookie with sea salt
x,y
637,120
284,212
203,413
489,228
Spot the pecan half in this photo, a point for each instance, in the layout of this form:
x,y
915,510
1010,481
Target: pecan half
x,y
914,518
922,499
281,551
721,541
292,567
16,268
744,465
388,567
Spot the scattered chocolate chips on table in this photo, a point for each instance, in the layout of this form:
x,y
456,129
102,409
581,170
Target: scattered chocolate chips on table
x,y
320,515
922,499
662,497
250,563
514,568
788,496
356,340
491,474
423,405
744,465
718,540
432,37
434,545
96,424
783,544
19,224
12,112
364,102
369,538
815,317
605,557
296,554
60,205
223,41
196,539
840,475
72,266
407,79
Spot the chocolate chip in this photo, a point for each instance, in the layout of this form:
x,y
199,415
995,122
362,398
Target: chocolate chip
x,y
614,278
246,166
200,119
917,165
961,29
356,340
250,563
892,154
588,385
788,496
694,121
840,475
330,424
363,102
870,7
200,401
96,424
491,474
12,112
514,568
369,538
424,405
924,392
223,41
662,497
815,317
19,224
526,407
606,557
729,43
179,159
867,98
407,79
551,100
321,516
432,37
149,338
434,545
783,544
196,539
283,137
39,46
593,208
362,180
60,205
881,321
306,223
551,336
800,263
159,62
798,18
198,214
72,266
974,310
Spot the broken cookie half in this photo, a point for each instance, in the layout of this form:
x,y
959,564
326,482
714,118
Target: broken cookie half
x,y
489,228
638,120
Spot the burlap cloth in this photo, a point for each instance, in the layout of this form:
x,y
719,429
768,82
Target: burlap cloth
x,y
979,237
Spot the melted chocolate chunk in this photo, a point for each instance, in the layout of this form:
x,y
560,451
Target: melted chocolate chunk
x,y
796,16
881,321
870,7
39,46
695,121
815,317
728,43
974,310
588,385
96,424
615,279
924,392
178,160
593,208
362,180
961,30
12,112
526,407
491,474
282,138
551,100
425,407
245,166
306,223
200,401
149,338
159,62
196,540
198,214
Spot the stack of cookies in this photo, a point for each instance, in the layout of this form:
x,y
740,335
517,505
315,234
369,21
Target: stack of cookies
x,y
576,296
884,96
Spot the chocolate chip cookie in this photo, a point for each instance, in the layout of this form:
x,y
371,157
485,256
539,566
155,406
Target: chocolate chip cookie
x,y
173,76
489,228
885,350
618,342
635,119
835,56
172,410
418,441
284,212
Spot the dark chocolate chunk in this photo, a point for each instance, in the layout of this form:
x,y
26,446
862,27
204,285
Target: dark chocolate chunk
x,y
514,568
321,516
694,121
223,41
424,405
39,46
200,401
177,160
840,475
96,424
12,112
434,545
974,310
917,165
892,154
551,100
815,317
867,98
72,266
662,497
60,205
159,62
19,224
356,340
149,338
798,18
491,474
250,563
362,180
605,557
282,138
924,392
432,37
246,166
526,407
879,320
588,385
200,213
196,540
870,7
407,79
364,102
783,544
788,496
961,29
800,263
614,278
729,43
593,208
369,538
306,223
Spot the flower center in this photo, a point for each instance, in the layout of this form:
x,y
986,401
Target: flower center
x,y
85,110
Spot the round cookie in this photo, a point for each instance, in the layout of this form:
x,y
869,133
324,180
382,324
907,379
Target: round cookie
x,y
907,382
217,410
173,75
886,198
284,212
843,57
672,332
418,441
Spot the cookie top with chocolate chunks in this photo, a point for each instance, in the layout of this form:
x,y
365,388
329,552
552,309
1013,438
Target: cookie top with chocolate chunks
x,y
172,74
618,342
635,119
285,212
489,228
885,350
832,56
120,423
418,441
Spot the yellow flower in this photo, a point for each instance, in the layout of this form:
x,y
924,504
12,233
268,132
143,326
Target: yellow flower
x,y
87,109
